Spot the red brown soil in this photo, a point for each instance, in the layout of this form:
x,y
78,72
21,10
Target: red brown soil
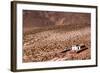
x,y
47,45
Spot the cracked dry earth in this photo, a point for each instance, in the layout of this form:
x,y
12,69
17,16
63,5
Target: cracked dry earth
x,y
48,44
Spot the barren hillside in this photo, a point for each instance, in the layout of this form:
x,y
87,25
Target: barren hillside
x,y
46,34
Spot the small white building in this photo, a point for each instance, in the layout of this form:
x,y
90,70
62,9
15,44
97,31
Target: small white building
x,y
75,48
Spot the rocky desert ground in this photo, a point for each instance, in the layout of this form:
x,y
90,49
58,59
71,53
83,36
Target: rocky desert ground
x,y
47,34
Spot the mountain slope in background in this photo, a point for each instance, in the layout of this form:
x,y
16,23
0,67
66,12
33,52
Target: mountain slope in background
x,y
48,18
